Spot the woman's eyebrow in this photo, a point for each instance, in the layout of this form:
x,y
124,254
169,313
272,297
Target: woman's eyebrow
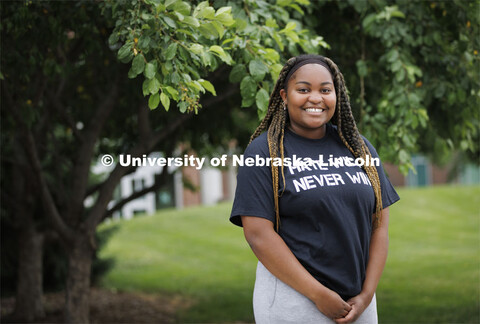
x,y
308,83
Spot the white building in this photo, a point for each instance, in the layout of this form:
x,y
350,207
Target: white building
x,y
213,185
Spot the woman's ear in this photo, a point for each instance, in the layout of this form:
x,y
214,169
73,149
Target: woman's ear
x,y
283,94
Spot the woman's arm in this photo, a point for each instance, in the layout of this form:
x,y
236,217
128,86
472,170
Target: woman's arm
x,y
275,255
376,263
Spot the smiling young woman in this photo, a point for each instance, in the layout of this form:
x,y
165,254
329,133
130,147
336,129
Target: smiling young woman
x,y
321,246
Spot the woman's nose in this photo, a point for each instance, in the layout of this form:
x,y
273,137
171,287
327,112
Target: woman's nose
x,y
315,97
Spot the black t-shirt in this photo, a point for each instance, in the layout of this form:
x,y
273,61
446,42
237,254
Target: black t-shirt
x,y
325,210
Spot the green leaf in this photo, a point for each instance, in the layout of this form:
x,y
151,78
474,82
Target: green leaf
x,y
179,16
225,18
202,5
113,39
183,106
173,92
414,120
208,31
144,41
392,55
297,8
221,53
397,13
208,59
403,156
154,86
397,65
290,27
219,28
238,73
262,99
271,55
170,3
138,64
153,101
275,70
362,68
270,22
293,36
196,49
146,16
171,51
240,24
182,7
145,87
278,40
125,53
248,88
257,69
191,21
207,13
196,87
150,70
247,102
400,75
165,101
132,74
284,3
368,21
170,22
222,10
207,85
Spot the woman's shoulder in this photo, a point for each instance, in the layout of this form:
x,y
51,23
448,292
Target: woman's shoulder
x,y
259,146
371,148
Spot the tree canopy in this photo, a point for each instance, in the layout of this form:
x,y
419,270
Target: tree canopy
x,y
412,67
413,71
174,45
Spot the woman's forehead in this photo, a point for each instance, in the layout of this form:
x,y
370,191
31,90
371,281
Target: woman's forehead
x,y
312,71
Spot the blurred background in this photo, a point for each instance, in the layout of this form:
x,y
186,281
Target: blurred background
x,y
85,239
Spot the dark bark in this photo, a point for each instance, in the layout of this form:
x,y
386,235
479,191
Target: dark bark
x,y
29,290
77,307
29,296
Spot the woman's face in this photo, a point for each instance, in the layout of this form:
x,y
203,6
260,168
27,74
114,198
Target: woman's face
x,y
310,99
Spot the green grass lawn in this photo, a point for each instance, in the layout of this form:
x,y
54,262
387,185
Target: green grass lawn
x,y
432,274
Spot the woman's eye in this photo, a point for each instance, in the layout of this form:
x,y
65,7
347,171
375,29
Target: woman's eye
x,y
303,90
326,90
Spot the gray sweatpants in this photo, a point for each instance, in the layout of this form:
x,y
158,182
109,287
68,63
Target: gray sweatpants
x,y
274,302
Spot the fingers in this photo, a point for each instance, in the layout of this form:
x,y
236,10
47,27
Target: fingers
x,y
350,317
342,314
347,307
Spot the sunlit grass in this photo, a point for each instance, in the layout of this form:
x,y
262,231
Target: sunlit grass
x,y
432,274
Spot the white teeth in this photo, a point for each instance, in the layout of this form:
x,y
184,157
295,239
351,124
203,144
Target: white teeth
x,y
314,110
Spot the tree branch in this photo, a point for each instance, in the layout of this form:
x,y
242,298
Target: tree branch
x,y
85,153
105,193
28,142
158,183
143,147
60,109
144,128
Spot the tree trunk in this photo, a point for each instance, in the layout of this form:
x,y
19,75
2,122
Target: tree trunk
x,y
77,308
29,298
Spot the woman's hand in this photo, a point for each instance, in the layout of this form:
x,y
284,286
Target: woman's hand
x,y
332,305
358,304
275,255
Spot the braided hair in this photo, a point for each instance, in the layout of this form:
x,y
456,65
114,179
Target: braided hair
x,y
276,119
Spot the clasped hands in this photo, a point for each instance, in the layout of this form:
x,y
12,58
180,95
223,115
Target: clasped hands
x,y
343,312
